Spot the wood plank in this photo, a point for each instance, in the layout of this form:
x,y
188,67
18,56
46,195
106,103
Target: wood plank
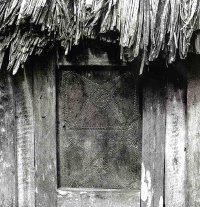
x,y
175,154
2,54
7,143
25,137
98,198
94,52
153,135
88,58
99,130
45,130
193,143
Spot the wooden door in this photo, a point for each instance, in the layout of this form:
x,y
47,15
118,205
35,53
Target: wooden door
x,y
99,137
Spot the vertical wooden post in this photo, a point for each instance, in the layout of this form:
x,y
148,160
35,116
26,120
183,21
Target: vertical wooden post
x,y
45,130
2,54
175,154
153,136
193,145
25,137
7,143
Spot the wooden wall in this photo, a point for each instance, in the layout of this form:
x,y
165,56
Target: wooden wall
x,y
170,136
27,135
170,150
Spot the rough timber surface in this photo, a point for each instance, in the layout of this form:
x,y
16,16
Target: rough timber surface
x,y
25,137
8,197
153,141
175,149
45,131
97,198
193,142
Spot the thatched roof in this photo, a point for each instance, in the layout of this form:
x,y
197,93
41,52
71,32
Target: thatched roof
x,y
142,27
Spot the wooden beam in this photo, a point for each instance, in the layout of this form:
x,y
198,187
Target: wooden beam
x,y
8,185
25,137
45,130
153,142
193,144
94,53
175,154
98,197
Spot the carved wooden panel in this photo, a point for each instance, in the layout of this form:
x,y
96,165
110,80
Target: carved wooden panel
x,y
98,129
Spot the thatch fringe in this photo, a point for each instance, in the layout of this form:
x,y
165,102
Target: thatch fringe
x,y
146,27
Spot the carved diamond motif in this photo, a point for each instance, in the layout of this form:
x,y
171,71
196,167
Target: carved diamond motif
x,y
94,103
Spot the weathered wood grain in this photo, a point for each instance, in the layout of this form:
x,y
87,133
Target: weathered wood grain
x,y
99,135
2,54
99,130
45,130
153,140
8,191
25,137
98,198
193,142
175,154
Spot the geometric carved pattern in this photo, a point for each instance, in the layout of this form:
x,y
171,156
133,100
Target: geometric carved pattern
x,y
104,103
99,129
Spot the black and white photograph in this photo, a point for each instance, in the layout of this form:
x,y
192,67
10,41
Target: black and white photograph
x,y
99,103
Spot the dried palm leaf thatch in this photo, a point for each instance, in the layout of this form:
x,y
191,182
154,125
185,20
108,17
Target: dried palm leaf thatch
x,y
146,27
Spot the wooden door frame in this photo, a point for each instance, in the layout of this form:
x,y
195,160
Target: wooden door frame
x,y
92,60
